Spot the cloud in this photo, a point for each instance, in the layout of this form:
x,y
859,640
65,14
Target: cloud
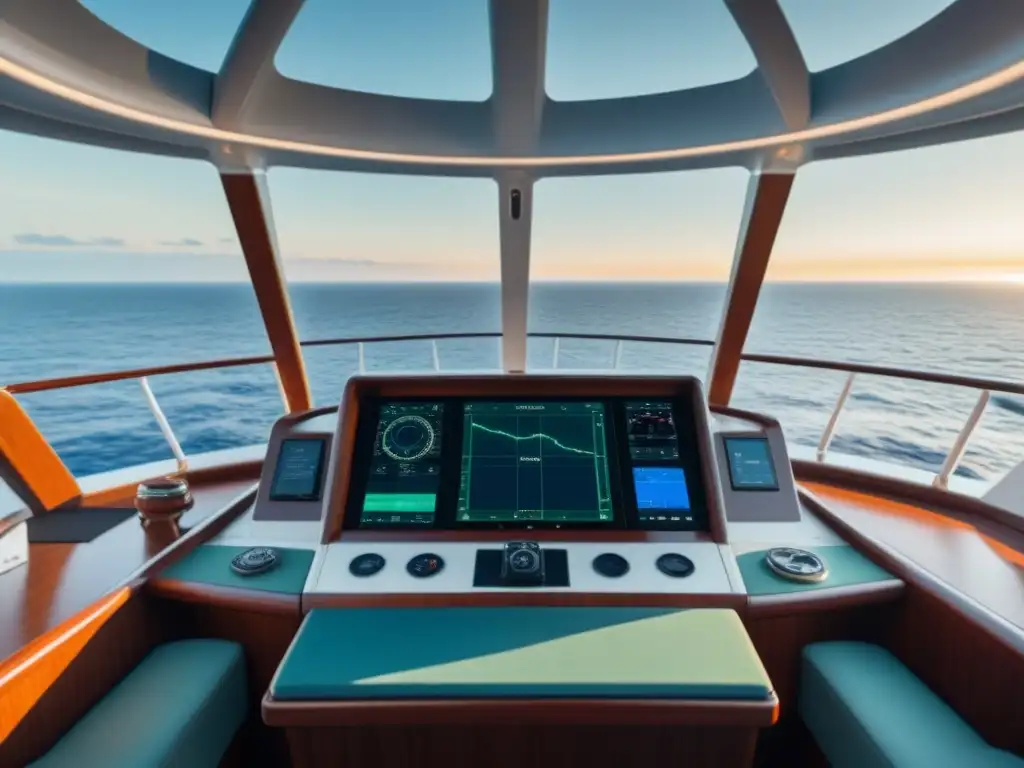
x,y
185,242
227,239
64,241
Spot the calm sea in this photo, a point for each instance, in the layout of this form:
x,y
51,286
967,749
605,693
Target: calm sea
x,y
60,330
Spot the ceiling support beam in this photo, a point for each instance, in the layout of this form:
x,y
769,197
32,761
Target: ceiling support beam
x,y
519,41
249,200
779,59
519,44
767,195
249,63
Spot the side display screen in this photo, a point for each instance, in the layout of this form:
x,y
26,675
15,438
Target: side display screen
x,y
405,470
659,480
536,461
750,464
298,474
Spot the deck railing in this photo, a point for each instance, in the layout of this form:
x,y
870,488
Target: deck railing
x,y
984,387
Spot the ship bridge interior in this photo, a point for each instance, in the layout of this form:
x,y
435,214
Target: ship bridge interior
x,y
613,561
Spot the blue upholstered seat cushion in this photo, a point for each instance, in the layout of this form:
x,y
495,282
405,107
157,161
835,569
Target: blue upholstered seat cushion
x,y
180,706
866,710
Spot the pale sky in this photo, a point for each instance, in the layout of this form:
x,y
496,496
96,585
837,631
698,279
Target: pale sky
x,y
70,213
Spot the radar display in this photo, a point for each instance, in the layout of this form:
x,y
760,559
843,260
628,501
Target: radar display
x,y
406,466
651,431
542,462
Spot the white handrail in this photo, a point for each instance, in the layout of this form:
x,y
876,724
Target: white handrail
x,y
362,357
436,354
618,355
956,453
554,356
830,428
164,425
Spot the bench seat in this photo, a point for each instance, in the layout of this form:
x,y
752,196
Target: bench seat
x,y
181,706
866,710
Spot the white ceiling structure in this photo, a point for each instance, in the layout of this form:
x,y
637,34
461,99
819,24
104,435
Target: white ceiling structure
x,y
64,73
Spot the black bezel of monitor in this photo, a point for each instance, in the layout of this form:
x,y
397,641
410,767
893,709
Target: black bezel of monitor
x,y
726,440
318,483
689,460
620,467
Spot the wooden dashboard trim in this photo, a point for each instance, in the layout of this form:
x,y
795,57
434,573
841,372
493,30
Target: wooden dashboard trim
x,y
810,601
942,501
259,601
360,387
540,712
941,586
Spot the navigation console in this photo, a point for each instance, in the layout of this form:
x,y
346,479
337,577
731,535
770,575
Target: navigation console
x,y
527,462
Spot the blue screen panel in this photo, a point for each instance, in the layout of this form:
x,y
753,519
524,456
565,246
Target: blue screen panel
x,y
750,464
661,488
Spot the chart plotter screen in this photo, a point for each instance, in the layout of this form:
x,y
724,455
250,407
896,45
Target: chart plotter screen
x,y
534,461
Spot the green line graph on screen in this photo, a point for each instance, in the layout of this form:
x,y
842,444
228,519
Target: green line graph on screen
x,y
544,462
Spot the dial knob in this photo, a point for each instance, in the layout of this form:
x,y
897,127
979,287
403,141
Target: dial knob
x,y
611,565
425,565
675,565
254,561
366,564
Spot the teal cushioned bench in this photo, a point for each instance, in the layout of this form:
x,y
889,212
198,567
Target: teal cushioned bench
x,y
179,708
866,710
360,653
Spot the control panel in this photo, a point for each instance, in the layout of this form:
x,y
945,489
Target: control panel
x,y
527,463
454,567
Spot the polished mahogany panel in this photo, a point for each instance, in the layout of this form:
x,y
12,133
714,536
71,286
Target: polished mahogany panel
x,y
512,745
516,732
974,672
62,579
951,549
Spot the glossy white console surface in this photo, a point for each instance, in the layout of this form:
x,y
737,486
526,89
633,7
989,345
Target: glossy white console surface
x,y
332,576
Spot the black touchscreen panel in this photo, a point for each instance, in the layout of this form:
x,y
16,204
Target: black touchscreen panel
x,y
298,474
405,470
658,475
591,463
750,464
534,461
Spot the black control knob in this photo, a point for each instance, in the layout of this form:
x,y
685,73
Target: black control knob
x,y
254,561
675,565
425,565
366,564
523,564
611,565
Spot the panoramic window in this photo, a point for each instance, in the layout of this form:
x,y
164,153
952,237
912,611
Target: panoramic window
x,y
110,261
427,50
853,28
603,49
197,32
910,260
641,255
376,255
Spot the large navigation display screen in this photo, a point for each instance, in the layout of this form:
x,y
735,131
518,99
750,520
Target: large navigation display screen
x,y
406,466
534,461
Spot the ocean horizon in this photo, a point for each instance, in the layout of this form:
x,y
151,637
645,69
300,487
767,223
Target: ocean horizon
x,y
970,328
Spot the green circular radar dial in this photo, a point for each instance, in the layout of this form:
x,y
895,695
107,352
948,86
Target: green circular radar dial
x,y
408,438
